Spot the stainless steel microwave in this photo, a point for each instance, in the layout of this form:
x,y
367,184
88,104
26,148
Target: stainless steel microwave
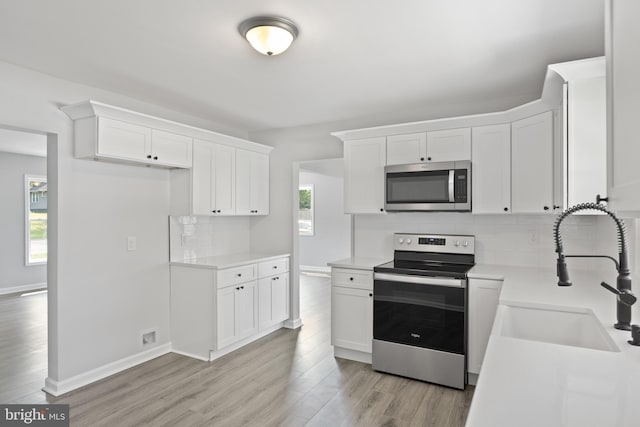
x,y
441,186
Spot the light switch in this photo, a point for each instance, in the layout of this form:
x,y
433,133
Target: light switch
x,y
131,243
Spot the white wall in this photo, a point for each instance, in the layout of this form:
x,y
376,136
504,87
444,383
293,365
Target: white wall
x,y
332,227
100,295
14,274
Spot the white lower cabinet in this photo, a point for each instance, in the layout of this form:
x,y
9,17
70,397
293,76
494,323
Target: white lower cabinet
x,y
484,295
214,311
352,313
237,310
273,294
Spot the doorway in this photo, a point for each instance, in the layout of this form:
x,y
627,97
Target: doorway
x,y
24,226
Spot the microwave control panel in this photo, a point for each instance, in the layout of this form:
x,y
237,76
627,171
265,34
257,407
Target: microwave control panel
x,y
460,185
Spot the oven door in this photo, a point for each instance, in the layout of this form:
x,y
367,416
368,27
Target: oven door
x,y
427,312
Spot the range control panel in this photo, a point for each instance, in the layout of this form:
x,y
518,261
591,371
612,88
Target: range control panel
x,y
458,244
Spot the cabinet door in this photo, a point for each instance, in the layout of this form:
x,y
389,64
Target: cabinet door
x,y
364,175
409,148
491,169
449,145
171,149
352,318
623,105
252,183
260,183
273,296
123,140
246,307
224,179
532,164
483,303
280,299
202,194
226,308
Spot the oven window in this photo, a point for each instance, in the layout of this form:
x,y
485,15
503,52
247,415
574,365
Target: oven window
x,y
418,187
420,315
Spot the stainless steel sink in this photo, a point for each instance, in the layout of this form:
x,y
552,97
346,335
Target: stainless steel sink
x,y
577,328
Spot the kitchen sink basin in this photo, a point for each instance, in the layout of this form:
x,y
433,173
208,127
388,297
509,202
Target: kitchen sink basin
x,y
577,328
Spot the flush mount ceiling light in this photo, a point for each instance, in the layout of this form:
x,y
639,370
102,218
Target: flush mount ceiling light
x,y
269,35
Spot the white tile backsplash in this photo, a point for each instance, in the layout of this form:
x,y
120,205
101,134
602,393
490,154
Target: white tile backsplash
x,y
519,240
202,236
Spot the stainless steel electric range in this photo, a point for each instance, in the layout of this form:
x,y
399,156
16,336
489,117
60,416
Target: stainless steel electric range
x,y
420,308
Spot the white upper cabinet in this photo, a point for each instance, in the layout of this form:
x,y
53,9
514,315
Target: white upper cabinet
x,y
213,179
449,145
623,105
252,183
532,164
406,149
122,140
491,169
171,149
114,134
364,175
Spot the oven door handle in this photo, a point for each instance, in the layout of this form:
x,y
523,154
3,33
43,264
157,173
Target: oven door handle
x,y
421,280
452,195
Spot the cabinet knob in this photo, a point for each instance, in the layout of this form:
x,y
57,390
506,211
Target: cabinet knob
x,y
556,207
381,209
275,267
600,199
155,157
218,210
370,294
148,156
213,211
506,209
239,274
241,287
351,278
237,288
429,158
546,208
422,159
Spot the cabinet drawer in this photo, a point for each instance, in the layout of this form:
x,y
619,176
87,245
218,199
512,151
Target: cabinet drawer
x,y
232,276
273,267
361,279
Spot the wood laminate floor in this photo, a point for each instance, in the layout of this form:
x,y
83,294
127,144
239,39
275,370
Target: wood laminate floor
x,y
288,378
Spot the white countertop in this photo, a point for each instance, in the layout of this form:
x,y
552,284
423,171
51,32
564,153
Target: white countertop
x,y
226,261
358,263
529,383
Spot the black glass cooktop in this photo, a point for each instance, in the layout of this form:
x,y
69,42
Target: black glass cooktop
x,y
457,271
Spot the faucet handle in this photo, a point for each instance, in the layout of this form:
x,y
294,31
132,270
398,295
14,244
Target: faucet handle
x,y
626,297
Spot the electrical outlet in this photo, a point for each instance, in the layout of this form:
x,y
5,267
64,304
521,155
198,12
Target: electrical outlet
x,y
148,338
131,243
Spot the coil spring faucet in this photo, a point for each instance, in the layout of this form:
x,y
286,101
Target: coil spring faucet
x,y
623,283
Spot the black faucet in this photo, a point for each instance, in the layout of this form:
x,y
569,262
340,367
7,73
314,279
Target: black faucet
x,y
623,283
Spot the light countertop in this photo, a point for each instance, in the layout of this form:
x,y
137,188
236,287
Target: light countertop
x,y
227,261
530,383
358,263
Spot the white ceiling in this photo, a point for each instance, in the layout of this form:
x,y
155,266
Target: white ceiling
x,y
12,141
353,58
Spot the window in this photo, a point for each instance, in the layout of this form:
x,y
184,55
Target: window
x,y
36,219
305,211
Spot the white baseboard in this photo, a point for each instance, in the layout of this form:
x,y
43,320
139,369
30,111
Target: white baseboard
x,y
57,388
293,323
346,353
213,355
194,356
23,288
314,269
472,379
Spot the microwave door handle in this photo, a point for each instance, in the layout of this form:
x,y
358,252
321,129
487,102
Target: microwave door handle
x,y
452,196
